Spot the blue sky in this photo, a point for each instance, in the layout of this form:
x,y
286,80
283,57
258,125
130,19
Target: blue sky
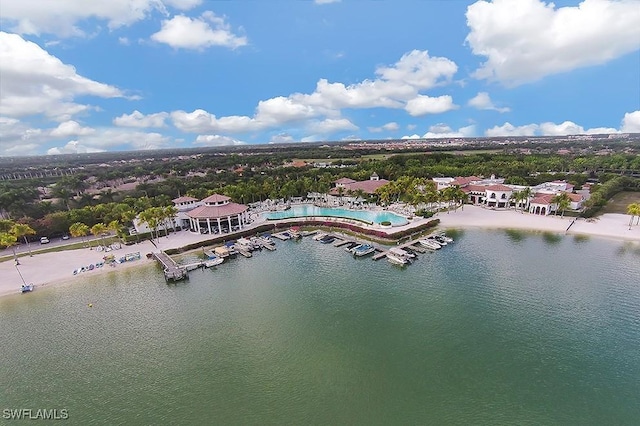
x,y
82,76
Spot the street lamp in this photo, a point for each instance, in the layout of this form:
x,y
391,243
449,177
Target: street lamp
x,y
21,277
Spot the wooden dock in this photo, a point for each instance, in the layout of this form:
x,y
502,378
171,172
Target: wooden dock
x,y
172,271
412,245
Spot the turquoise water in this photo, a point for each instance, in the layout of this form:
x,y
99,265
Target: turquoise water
x,y
498,328
367,216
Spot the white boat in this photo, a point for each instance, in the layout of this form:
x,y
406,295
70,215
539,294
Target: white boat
x,y
430,244
402,253
444,238
397,259
213,262
363,250
319,236
243,243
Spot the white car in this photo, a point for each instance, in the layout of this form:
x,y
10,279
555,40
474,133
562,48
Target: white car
x,y
44,240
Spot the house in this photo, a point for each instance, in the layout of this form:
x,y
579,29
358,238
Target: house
x,y
346,186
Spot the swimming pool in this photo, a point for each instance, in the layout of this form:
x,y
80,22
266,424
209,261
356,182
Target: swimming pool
x,y
364,215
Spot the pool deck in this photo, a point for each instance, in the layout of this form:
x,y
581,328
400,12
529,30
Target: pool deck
x,y
362,211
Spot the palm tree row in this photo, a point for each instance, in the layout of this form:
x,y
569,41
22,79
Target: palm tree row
x,y
154,217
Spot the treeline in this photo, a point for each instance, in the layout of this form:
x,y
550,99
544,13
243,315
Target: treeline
x,y
600,194
248,178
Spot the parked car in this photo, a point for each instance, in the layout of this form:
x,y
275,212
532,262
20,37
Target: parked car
x,y
65,237
44,240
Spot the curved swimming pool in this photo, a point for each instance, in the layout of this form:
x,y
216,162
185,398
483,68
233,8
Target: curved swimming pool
x,y
308,210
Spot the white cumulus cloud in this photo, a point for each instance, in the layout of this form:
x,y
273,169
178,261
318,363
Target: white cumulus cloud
x,y
331,125
508,129
422,105
71,128
483,101
388,127
61,17
138,119
34,82
216,140
631,122
525,40
397,86
444,131
198,33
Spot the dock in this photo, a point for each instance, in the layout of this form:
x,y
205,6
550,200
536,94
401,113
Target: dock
x,y
172,271
411,245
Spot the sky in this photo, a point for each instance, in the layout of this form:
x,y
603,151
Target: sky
x,y
82,76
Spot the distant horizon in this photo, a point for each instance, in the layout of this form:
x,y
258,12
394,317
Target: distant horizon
x,y
630,137
88,77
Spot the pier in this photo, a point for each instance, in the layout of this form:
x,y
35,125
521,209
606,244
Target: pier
x,y
172,271
411,245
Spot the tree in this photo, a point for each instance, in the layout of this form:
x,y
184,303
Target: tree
x,y
633,210
150,217
99,230
562,202
79,229
9,240
22,230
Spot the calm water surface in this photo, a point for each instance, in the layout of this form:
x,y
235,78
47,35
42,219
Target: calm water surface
x,y
498,328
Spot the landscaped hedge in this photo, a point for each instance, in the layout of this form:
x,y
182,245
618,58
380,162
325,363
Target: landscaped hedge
x,y
604,192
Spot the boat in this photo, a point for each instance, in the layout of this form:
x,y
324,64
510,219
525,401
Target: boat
x,y
213,262
243,243
327,239
295,233
397,259
363,250
444,238
319,236
430,244
402,253
267,243
438,240
25,288
350,246
221,251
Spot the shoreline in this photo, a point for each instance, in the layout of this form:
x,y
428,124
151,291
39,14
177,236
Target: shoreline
x,y
54,269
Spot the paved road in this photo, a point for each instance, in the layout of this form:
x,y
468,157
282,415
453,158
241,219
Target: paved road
x,y
55,242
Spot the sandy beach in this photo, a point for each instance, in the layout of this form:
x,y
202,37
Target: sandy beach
x,y
47,269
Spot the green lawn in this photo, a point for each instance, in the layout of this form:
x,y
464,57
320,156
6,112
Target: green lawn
x,y
620,201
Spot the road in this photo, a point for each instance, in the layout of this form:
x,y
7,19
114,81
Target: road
x,y
55,242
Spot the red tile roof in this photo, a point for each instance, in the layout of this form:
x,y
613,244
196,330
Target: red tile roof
x,y
474,188
542,198
575,197
461,180
345,180
503,188
216,198
184,199
368,186
214,212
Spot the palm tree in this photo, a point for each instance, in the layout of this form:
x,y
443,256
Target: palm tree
x,y
98,230
150,217
22,230
562,201
633,209
526,194
79,229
